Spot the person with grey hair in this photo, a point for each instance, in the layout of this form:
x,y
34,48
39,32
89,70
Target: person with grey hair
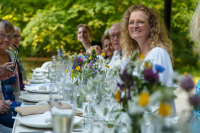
x,y
21,71
195,35
115,41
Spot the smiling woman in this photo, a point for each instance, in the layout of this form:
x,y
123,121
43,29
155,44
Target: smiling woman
x,y
9,87
84,34
143,30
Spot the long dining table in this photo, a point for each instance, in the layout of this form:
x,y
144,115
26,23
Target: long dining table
x,y
23,128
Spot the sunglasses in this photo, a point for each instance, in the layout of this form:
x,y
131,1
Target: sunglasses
x,y
15,59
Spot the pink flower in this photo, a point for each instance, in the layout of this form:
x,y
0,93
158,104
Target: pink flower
x,y
80,59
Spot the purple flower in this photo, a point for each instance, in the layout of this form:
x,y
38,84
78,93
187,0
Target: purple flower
x,y
80,59
150,76
121,86
187,83
194,100
90,65
127,79
159,68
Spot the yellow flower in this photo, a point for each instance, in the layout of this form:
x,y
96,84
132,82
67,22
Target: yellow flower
x,y
141,56
185,73
164,109
84,53
118,96
72,75
146,64
90,58
78,68
107,66
143,99
65,54
72,70
92,49
72,58
103,54
67,71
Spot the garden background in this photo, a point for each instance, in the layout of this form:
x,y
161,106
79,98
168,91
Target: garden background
x,y
48,24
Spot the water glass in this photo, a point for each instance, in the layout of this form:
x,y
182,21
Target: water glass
x,y
63,109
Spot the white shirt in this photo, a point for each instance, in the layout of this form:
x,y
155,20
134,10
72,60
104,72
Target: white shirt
x,y
115,57
159,56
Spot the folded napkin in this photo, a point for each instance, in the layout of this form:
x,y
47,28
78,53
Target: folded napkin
x,y
32,110
39,109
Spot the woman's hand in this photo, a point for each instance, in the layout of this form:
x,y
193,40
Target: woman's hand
x,y
4,72
4,107
97,50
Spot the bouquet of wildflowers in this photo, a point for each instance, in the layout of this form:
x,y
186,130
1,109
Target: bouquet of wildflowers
x,y
139,92
77,66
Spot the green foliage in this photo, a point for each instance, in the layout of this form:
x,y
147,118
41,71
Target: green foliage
x,y
48,24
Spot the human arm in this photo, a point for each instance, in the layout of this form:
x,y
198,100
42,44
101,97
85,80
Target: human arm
x,y
4,72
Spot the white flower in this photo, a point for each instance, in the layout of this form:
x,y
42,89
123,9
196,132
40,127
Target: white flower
x,y
117,65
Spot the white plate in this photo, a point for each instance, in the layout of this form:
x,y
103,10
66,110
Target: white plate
x,y
39,89
38,121
37,97
39,69
38,78
39,81
38,74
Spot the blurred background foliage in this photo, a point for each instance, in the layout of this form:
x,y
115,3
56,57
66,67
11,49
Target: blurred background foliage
x,y
48,24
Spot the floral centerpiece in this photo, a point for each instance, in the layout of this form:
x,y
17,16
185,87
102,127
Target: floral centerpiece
x,y
141,92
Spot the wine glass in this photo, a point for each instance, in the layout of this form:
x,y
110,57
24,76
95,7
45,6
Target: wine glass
x,y
63,108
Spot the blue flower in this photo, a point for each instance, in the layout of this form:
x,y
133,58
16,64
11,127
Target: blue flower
x,y
159,68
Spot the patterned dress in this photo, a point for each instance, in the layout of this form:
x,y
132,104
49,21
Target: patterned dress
x,y
196,110
8,92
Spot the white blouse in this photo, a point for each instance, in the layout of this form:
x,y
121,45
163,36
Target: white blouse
x,y
159,56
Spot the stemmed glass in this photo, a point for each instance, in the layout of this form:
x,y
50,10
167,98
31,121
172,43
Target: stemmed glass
x,y
63,108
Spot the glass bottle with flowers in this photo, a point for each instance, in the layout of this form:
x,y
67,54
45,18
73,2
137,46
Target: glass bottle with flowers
x,y
140,91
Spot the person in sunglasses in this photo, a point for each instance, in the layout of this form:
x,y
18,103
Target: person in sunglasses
x,y
9,87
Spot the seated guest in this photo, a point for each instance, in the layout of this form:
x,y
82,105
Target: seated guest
x,y
195,35
142,30
21,71
107,46
10,86
115,41
6,121
84,35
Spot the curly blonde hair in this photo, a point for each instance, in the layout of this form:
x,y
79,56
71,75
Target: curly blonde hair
x,y
158,35
195,25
